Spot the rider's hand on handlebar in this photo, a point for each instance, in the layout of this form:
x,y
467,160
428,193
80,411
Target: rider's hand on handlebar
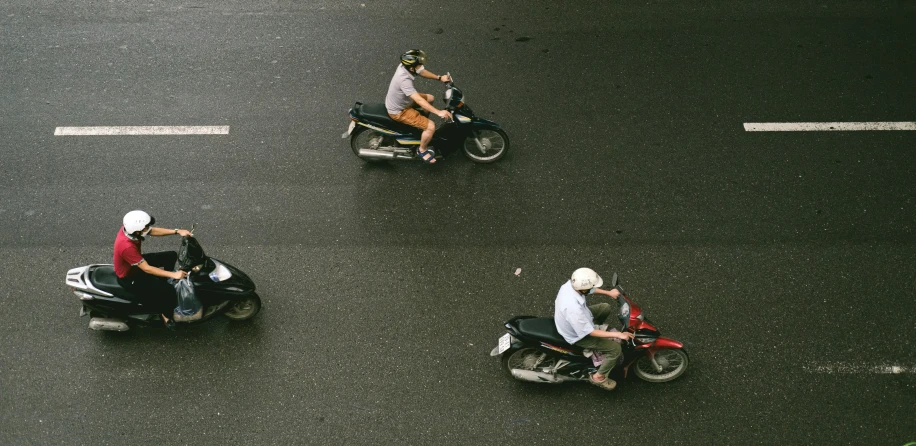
x,y
626,336
178,275
444,115
445,78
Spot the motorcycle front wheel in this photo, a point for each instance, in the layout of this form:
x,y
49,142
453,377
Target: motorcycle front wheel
x,y
494,143
365,138
244,309
673,362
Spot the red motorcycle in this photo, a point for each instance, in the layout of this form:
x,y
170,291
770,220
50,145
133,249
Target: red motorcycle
x,y
533,350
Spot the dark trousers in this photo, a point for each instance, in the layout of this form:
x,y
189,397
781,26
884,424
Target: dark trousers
x,y
608,347
154,292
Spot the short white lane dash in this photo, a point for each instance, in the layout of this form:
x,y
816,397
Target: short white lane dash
x,y
827,126
847,368
144,130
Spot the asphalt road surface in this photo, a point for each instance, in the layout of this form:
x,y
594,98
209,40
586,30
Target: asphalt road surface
x,y
784,261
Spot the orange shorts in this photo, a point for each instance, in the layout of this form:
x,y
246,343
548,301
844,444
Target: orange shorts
x,y
411,117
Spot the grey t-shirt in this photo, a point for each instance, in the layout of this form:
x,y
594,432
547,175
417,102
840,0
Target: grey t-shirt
x,y
400,89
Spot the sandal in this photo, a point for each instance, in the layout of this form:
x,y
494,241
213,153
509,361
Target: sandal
x,y
607,384
169,323
428,157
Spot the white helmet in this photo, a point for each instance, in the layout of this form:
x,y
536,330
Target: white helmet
x,y
585,279
137,220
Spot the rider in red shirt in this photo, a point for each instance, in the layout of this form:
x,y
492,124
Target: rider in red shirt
x,y
145,275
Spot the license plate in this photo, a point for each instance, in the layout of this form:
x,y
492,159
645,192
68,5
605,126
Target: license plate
x,y
504,342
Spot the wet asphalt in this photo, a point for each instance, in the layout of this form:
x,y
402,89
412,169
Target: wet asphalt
x,y
784,261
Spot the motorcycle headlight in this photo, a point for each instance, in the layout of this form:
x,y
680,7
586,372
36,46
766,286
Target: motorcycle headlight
x,y
640,317
220,273
448,94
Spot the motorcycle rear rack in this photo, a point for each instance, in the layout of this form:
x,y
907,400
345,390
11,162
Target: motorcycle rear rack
x,y
79,278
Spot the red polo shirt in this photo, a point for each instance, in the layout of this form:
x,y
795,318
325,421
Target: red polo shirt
x,y
126,254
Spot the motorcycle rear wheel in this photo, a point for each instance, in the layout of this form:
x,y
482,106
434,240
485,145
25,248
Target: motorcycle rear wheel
x,y
673,361
495,141
525,358
244,309
366,138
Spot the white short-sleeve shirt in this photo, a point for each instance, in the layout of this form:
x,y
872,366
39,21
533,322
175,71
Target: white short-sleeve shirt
x,y
573,318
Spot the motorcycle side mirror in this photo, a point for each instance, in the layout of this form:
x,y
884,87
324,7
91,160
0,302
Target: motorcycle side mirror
x,y
615,282
194,226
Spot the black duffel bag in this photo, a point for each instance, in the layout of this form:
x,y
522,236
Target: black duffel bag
x,y
190,254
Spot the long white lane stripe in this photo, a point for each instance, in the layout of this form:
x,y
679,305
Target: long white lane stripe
x,y
144,130
826,126
846,368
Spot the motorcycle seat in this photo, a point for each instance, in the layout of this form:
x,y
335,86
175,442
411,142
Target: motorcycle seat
x,y
378,114
545,329
104,278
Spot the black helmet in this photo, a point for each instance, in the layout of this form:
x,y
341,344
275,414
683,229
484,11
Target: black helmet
x,y
413,58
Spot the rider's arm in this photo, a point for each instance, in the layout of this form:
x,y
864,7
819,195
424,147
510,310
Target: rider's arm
x,y
623,336
162,231
153,271
421,101
612,293
430,75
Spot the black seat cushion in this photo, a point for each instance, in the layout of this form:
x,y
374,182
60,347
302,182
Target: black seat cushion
x,y
104,278
545,329
378,114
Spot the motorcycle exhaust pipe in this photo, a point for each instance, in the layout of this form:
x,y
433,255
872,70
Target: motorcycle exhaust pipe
x,y
382,155
375,154
108,324
538,377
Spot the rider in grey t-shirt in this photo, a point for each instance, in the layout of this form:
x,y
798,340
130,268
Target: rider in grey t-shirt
x,y
400,90
402,96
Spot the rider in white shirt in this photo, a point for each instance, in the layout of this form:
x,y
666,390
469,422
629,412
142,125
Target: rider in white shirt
x,y
576,322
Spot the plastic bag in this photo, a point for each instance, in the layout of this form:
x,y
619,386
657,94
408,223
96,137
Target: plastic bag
x,y
189,307
190,254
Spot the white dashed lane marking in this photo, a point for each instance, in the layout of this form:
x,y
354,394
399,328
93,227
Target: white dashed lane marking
x,y
847,369
827,126
143,130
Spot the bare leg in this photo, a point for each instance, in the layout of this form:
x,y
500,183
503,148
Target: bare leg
x,y
426,137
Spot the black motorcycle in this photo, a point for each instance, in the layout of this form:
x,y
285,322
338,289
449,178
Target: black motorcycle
x,y
220,287
374,136
533,350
